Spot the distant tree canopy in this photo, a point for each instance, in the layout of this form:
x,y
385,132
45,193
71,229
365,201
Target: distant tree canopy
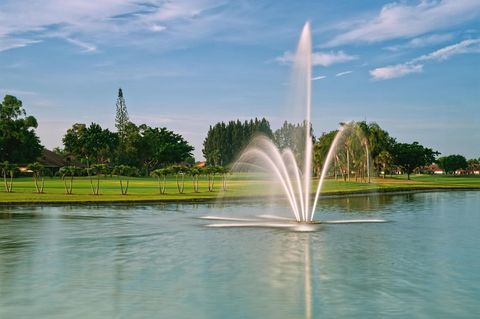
x,y
292,136
451,163
144,147
18,140
411,156
362,148
225,141
91,144
159,147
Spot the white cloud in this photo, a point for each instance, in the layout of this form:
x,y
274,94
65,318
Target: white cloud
x,y
401,20
423,41
87,47
320,58
343,73
329,58
320,77
157,28
7,43
463,47
395,71
106,21
416,65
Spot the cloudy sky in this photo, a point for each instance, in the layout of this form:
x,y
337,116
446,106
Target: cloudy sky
x,y
411,66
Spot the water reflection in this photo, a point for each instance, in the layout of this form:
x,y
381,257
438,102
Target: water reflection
x,y
159,261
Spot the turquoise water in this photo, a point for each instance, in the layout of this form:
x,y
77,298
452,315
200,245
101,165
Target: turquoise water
x,y
159,261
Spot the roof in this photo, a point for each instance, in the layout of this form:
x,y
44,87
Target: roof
x,y
51,159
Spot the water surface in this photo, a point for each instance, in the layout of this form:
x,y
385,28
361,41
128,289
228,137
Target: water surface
x,y
159,261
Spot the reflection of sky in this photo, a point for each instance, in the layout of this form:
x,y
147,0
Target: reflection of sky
x,y
406,65
159,261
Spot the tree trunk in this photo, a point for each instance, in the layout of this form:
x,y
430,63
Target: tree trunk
x,y
368,164
348,165
36,182
71,185
43,185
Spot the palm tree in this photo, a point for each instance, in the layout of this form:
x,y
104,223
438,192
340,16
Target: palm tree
x,y
8,170
385,160
68,172
124,171
195,172
37,170
96,170
161,173
210,172
179,171
223,171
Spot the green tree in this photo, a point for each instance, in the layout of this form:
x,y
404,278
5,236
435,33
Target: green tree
x,y
210,172
68,173
179,172
293,136
411,156
473,165
451,163
162,147
223,171
320,151
121,118
161,174
96,171
8,172
224,141
123,172
18,140
91,144
37,171
384,160
195,173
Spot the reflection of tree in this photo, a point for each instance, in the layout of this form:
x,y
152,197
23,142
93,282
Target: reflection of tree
x,y
359,203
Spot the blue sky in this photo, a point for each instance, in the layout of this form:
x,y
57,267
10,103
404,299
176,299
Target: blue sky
x,y
411,66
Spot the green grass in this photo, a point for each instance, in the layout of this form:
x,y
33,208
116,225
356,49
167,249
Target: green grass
x,y
146,189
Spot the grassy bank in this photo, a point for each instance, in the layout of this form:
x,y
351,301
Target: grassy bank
x,y
146,189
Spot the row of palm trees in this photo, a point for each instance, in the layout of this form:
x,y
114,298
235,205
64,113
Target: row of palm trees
x,y
95,172
194,172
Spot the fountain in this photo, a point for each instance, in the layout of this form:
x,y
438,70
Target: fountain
x,y
295,180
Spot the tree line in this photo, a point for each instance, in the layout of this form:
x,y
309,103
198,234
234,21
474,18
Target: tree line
x,y
361,149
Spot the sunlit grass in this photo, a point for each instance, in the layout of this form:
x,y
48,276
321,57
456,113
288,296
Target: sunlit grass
x,y
238,186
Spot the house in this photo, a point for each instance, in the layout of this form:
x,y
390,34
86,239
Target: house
x,y
52,162
433,169
200,164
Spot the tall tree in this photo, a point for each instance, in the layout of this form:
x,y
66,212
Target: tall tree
x,y
91,144
293,136
37,171
162,147
224,141
18,140
411,156
121,118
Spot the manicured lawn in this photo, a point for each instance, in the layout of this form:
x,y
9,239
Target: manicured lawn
x,y
146,189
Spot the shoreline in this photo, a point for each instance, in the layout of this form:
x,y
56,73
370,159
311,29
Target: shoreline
x,y
231,199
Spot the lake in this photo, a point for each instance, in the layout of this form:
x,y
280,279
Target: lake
x,y
160,261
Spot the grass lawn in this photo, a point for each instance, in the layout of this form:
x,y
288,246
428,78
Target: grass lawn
x,y
146,189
